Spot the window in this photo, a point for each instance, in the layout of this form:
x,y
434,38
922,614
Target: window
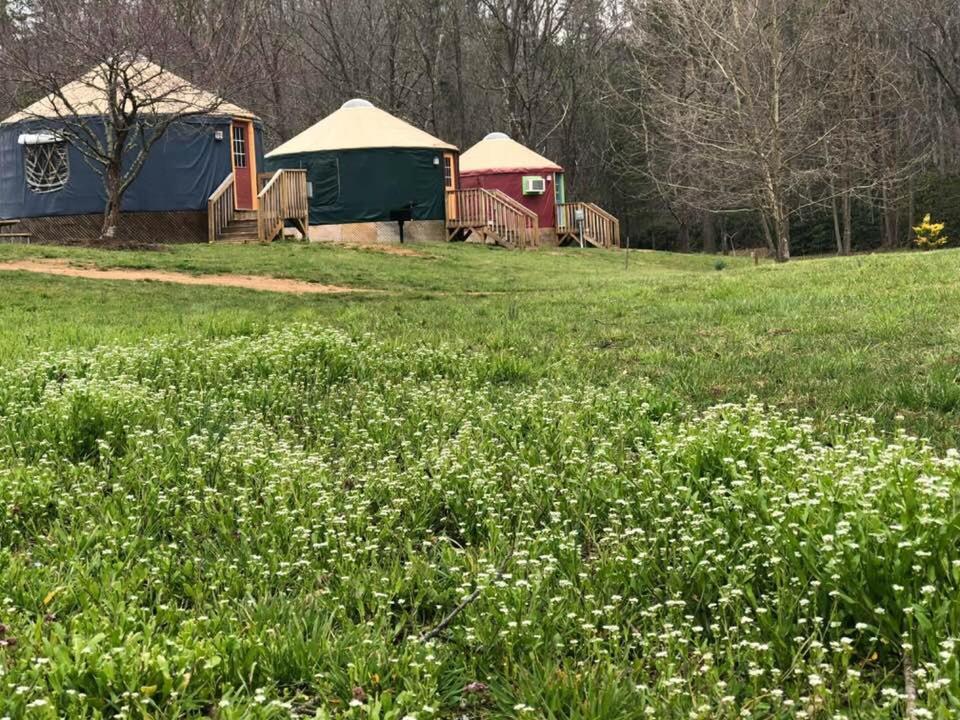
x,y
560,190
46,163
448,172
324,175
239,146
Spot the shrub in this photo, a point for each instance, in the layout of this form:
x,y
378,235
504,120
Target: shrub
x,y
930,234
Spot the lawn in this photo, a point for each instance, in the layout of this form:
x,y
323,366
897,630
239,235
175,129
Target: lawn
x,y
491,485
877,335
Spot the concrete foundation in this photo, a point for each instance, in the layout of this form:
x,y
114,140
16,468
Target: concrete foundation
x,y
380,232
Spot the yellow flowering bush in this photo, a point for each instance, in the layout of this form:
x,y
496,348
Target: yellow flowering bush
x,y
930,234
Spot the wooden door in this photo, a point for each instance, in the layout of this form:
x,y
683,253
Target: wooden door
x,y
450,184
244,159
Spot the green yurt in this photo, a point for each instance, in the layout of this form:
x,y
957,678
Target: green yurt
x,y
365,165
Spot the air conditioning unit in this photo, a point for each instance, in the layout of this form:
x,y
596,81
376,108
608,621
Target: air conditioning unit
x,y
534,185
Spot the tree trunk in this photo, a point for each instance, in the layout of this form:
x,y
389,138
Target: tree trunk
x,y
837,233
111,212
783,237
767,235
683,237
777,231
889,224
709,233
911,211
847,224
777,225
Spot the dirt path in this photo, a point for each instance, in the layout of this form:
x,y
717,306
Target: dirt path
x,y
250,282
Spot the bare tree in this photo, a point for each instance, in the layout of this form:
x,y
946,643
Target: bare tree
x,y
361,48
518,46
109,94
734,94
745,117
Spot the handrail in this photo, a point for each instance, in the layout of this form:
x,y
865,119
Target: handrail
x,y
283,198
220,208
614,229
493,211
516,205
600,228
600,211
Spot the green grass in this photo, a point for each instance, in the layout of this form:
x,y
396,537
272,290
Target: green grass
x,y
278,526
652,488
878,335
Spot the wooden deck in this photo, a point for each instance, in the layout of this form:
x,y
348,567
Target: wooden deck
x,y
491,216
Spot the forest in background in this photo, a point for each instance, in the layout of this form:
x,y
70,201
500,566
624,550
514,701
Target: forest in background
x,y
802,126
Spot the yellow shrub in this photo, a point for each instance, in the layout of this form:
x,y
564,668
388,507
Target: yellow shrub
x,y
930,234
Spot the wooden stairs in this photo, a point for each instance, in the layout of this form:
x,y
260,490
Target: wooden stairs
x,y
242,228
490,217
283,197
493,217
599,228
12,235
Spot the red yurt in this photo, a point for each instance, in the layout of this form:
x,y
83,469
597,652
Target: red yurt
x,y
499,163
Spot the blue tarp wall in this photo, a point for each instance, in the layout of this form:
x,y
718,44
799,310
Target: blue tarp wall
x,y
184,167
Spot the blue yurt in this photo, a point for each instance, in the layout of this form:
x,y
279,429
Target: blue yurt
x,y
56,191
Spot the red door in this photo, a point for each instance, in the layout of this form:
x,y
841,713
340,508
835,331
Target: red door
x,y
241,142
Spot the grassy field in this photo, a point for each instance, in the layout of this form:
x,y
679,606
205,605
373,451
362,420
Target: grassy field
x,y
492,485
877,335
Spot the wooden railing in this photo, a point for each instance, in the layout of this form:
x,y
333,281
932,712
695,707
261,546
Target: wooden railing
x,y
283,197
492,212
600,228
220,209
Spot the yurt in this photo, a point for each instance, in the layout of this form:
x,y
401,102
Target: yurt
x,y
499,163
57,194
367,170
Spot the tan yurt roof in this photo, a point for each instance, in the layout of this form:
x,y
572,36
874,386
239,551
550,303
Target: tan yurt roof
x,y
498,153
358,124
87,96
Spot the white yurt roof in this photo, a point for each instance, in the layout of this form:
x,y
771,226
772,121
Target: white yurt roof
x,y
358,124
87,96
498,153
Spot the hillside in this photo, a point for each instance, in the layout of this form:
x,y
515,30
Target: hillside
x,y
874,334
488,485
